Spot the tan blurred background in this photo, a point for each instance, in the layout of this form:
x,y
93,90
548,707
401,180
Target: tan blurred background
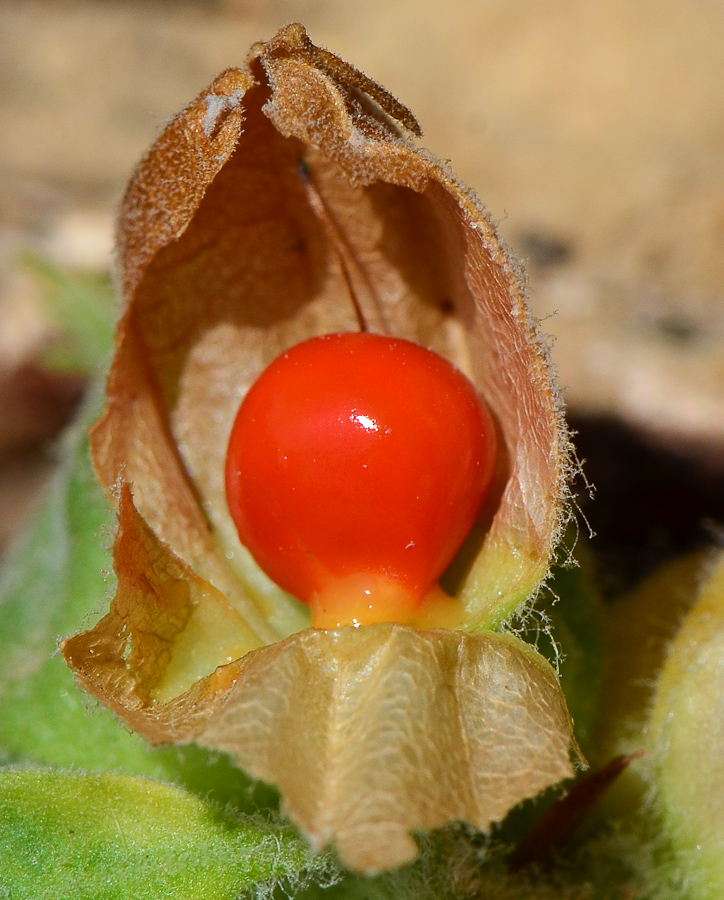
x,y
593,130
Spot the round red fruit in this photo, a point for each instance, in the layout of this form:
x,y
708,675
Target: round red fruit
x,y
358,457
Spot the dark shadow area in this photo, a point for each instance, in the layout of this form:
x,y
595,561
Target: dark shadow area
x,y
650,503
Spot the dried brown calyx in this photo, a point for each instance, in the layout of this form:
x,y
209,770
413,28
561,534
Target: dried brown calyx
x,y
226,261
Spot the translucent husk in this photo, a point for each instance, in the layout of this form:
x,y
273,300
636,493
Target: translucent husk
x,y
284,186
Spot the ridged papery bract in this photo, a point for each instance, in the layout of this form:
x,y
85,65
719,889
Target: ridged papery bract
x,y
281,188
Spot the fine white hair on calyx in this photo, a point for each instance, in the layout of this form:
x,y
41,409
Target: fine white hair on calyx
x,y
216,106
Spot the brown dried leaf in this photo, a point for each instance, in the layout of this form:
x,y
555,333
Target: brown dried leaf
x,y
239,236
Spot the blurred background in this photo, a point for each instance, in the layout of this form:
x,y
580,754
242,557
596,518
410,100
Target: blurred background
x,y
593,131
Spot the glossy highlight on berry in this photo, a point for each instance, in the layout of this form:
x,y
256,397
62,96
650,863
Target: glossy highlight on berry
x,y
357,465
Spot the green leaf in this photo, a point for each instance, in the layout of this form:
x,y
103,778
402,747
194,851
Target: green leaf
x,y
101,837
637,633
686,741
53,582
81,304
571,607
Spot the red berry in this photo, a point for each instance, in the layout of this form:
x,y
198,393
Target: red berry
x,y
357,465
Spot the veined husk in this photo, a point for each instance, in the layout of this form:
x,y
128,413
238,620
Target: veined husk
x,y
283,183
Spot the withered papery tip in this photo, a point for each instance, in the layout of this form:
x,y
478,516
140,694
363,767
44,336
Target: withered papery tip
x,y
292,40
